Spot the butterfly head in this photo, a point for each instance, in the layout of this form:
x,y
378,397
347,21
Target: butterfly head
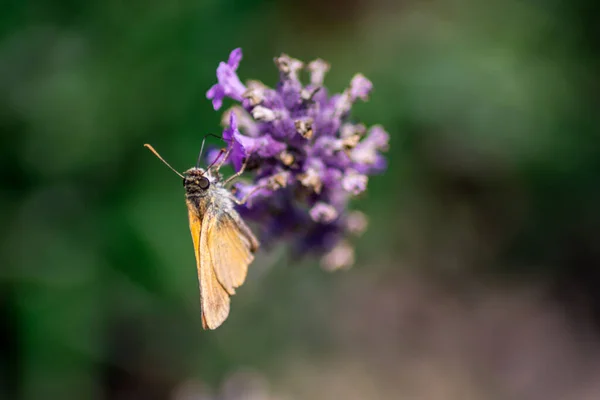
x,y
197,180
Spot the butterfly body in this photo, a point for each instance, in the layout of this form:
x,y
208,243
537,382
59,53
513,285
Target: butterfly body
x,y
224,246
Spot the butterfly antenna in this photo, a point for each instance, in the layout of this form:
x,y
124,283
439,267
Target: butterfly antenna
x,y
200,154
202,146
163,160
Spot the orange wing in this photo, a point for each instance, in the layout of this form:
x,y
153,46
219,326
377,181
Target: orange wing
x,y
231,246
213,297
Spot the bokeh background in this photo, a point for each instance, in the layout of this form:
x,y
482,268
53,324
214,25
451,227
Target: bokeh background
x,y
477,279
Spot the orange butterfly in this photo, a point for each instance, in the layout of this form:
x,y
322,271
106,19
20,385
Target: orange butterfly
x,y
223,244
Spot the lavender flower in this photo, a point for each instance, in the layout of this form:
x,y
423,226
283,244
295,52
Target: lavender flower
x,y
306,155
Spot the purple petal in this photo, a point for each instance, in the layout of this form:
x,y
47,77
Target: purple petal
x,y
231,135
354,183
244,121
327,146
231,129
229,84
318,68
342,104
366,156
376,167
243,146
265,146
360,87
331,177
288,67
234,58
378,137
256,92
228,79
318,175
327,120
323,212
290,93
216,94
328,176
284,128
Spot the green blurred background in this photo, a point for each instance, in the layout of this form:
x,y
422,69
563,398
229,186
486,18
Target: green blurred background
x,y
477,279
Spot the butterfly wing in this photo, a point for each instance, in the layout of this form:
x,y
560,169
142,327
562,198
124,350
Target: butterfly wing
x,y
231,245
213,297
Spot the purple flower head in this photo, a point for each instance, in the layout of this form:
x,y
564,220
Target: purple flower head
x,y
306,158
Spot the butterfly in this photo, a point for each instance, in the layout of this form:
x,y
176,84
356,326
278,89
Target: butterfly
x,y
224,245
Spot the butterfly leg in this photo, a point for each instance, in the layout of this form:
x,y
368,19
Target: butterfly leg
x,y
275,182
221,161
248,195
237,174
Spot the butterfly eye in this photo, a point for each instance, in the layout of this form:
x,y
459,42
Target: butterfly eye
x,y
183,182
204,183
